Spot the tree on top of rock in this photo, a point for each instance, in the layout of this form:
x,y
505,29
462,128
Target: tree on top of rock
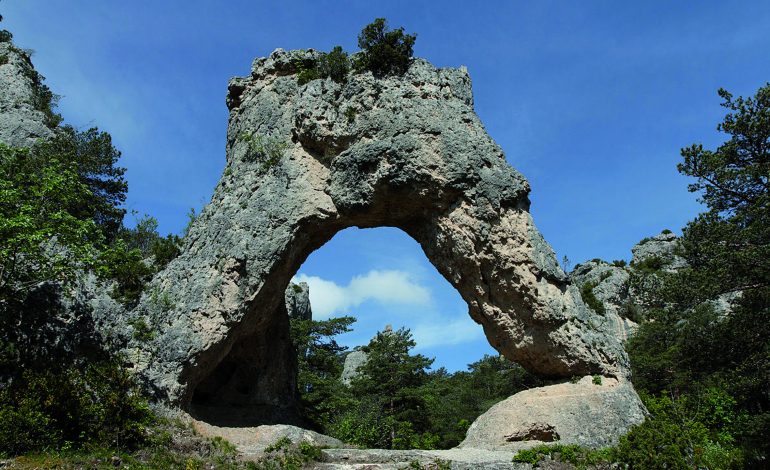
x,y
384,51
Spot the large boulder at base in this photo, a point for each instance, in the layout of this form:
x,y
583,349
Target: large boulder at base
x,y
581,413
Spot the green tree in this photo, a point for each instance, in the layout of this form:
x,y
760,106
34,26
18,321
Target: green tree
x,y
391,382
94,159
691,347
384,51
40,239
320,366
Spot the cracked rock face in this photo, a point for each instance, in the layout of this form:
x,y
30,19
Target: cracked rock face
x,y
306,161
21,125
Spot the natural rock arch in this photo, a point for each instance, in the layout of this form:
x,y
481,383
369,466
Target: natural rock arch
x,y
306,161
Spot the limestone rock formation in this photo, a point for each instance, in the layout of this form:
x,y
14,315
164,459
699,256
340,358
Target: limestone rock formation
x,y
661,247
306,161
21,124
353,361
297,298
583,413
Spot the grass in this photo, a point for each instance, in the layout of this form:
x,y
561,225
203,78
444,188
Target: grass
x,y
580,457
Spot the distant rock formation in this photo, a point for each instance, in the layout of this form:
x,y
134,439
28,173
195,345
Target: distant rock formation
x,y
353,361
21,124
297,298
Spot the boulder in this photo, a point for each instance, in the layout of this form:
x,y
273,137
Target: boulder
x,y
583,413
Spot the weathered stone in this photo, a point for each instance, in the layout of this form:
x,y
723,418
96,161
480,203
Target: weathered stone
x,y
610,287
353,361
20,123
303,163
661,247
297,298
582,413
251,441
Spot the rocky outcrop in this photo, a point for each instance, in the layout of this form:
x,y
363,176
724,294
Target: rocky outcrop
x,y
297,299
627,291
353,361
21,123
661,249
306,161
586,413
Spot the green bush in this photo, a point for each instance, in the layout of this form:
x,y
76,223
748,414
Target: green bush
x,y
334,65
95,405
5,35
681,434
580,457
587,293
384,51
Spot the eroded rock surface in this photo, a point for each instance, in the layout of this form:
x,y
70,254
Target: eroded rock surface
x,y
306,161
297,298
21,124
583,413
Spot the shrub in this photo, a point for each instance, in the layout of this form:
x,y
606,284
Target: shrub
x,y
587,293
5,35
384,51
619,263
98,405
334,65
580,457
264,148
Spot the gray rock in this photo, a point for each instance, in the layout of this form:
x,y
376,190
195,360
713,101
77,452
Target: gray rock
x,y
581,413
297,298
251,442
353,361
20,123
611,288
304,162
661,247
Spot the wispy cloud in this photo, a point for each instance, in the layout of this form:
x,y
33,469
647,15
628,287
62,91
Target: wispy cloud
x,y
447,332
386,287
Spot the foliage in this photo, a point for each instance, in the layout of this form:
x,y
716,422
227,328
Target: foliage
x,y
283,455
683,434
390,382
579,457
619,263
319,366
40,238
94,159
263,148
135,256
693,356
98,404
455,400
587,293
384,51
596,380
334,65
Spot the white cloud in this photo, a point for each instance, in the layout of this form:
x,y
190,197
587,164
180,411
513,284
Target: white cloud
x,y
447,332
386,287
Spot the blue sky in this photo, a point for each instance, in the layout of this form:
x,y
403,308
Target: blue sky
x,y
591,100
